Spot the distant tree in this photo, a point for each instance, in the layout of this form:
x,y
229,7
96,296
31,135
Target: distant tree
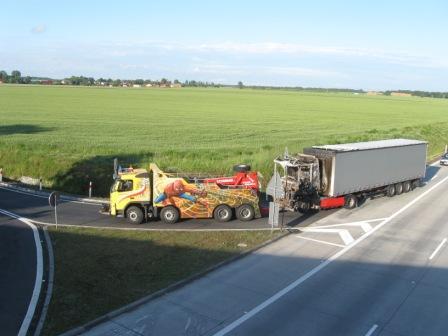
x,y
139,81
164,81
240,84
3,76
176,81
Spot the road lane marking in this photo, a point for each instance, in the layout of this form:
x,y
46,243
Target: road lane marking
x,y
371,330
343,233
63,198
320,267
320,241
39,274
432,178
437,249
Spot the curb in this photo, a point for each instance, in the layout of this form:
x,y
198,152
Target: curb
x,y
46,194
109,316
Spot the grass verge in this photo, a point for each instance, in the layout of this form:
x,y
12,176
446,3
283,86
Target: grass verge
x,y
97,271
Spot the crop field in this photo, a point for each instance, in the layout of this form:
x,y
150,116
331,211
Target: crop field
x,y
70,135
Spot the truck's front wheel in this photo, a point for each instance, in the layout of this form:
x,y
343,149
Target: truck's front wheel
x,y
134,215
169,215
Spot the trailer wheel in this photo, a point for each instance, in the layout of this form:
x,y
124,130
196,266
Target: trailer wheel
x,y
351,201
245,212
416,183
398,188
134,215
406,186
390,190
222,213
241,168
169,214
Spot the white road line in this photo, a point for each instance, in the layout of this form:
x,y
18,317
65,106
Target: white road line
x,y
371,330
320,267
320,241
365,226
343,233
39,273
46,197
432,178
437,249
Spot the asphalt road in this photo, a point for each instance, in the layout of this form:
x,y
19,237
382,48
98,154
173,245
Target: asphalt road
x,y
17,273
87,214
380,269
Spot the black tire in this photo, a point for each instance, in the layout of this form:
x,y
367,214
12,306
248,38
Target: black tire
x,y
245,212
390,190
222,213
416,184
407,186
169,214
304,207
351,201
134,215
241,168
398,188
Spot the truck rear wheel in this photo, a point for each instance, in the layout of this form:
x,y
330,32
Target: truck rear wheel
x,y
351,201
169,214
245,212
390,190
398,188
134,215
406,186
222,213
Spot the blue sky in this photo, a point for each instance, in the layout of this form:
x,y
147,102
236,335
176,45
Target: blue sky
x,y
354,44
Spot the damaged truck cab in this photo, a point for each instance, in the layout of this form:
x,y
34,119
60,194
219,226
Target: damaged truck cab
x,y
332,176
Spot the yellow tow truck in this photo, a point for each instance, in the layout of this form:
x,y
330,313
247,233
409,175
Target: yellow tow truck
x,y
140,195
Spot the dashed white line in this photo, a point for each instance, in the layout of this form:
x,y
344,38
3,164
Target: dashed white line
x,y
437,249
320,267
371,330
432,178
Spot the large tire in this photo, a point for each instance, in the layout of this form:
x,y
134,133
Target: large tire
x,y
245,212
390,190
134,215
351,201
398,188
222,213
407,186
241,168
169,214
304,207
416,183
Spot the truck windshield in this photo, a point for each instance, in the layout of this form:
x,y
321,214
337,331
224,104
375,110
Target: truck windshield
x,y
122,185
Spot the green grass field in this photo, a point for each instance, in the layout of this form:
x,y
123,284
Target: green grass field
x,y
69,135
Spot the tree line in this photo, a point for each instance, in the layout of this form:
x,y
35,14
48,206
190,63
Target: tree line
x,y
16,78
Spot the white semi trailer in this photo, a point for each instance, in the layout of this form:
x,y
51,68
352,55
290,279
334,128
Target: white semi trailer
x,y
333,176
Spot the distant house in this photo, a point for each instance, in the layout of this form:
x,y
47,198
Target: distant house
x,y
374,93
400,94
148,85
177,85
136,85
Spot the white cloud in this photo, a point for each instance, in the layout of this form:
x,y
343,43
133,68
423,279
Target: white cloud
x,y
39,29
